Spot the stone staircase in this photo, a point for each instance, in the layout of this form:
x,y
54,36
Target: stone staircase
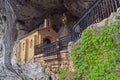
x,y
54,66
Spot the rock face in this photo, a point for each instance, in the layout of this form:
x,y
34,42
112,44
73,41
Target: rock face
x,y
34,71
37,72
29,72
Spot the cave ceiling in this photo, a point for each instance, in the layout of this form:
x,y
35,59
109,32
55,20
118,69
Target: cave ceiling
x,y
31,13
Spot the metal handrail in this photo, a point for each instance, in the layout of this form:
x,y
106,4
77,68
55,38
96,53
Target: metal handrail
x,y
86,12
97,4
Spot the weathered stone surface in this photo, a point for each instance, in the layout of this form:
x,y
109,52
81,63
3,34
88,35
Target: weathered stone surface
x,y
37,72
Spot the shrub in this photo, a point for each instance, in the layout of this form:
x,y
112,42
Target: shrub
x,y
96,58
62,73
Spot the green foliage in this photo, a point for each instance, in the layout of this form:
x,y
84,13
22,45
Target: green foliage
x,y
25,78
62,73
96,57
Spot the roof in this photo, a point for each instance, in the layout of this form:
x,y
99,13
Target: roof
x,y
38,29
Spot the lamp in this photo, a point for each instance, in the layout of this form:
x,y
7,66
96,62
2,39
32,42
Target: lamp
x,y
64,19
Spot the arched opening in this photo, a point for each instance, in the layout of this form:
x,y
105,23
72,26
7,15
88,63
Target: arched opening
x,y
47,41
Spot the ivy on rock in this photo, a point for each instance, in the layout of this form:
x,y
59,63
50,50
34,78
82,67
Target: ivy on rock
x,y
96,57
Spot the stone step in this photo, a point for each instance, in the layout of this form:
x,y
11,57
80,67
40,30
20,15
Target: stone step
x,y
55,66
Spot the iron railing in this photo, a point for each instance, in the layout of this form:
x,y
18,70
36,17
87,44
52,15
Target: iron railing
x,y
39,49
54,48
63,42
51,49
100,10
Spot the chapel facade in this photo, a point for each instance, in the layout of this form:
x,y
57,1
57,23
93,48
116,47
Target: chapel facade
x,y
31,48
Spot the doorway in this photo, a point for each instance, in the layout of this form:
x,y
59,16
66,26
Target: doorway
x,y
47,41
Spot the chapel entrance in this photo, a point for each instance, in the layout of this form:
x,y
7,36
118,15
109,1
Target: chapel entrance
x,y
47,41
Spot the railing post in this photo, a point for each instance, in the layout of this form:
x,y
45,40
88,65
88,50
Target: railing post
x,y
96,15
106,7
109,6
116,5
94,10
99,13
92,17
112,1
88,19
